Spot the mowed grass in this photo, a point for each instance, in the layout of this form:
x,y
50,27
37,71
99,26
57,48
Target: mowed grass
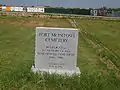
x,y
108,32
17,39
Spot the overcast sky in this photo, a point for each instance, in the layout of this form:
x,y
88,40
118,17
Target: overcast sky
x,y
66,3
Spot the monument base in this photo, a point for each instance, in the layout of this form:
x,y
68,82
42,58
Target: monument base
x,y
75,71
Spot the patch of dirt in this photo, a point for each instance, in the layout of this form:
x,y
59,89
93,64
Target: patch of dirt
x,y
33,23
29,23
1,21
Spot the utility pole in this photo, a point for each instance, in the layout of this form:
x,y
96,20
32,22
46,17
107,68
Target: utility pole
x,y
37,2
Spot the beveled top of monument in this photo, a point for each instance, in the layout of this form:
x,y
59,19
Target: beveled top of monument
x,y
37,28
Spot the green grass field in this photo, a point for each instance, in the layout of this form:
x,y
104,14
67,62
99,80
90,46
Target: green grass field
x,y
17,38
107,31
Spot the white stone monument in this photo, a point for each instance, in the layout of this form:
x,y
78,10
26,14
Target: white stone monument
x,y
56,50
